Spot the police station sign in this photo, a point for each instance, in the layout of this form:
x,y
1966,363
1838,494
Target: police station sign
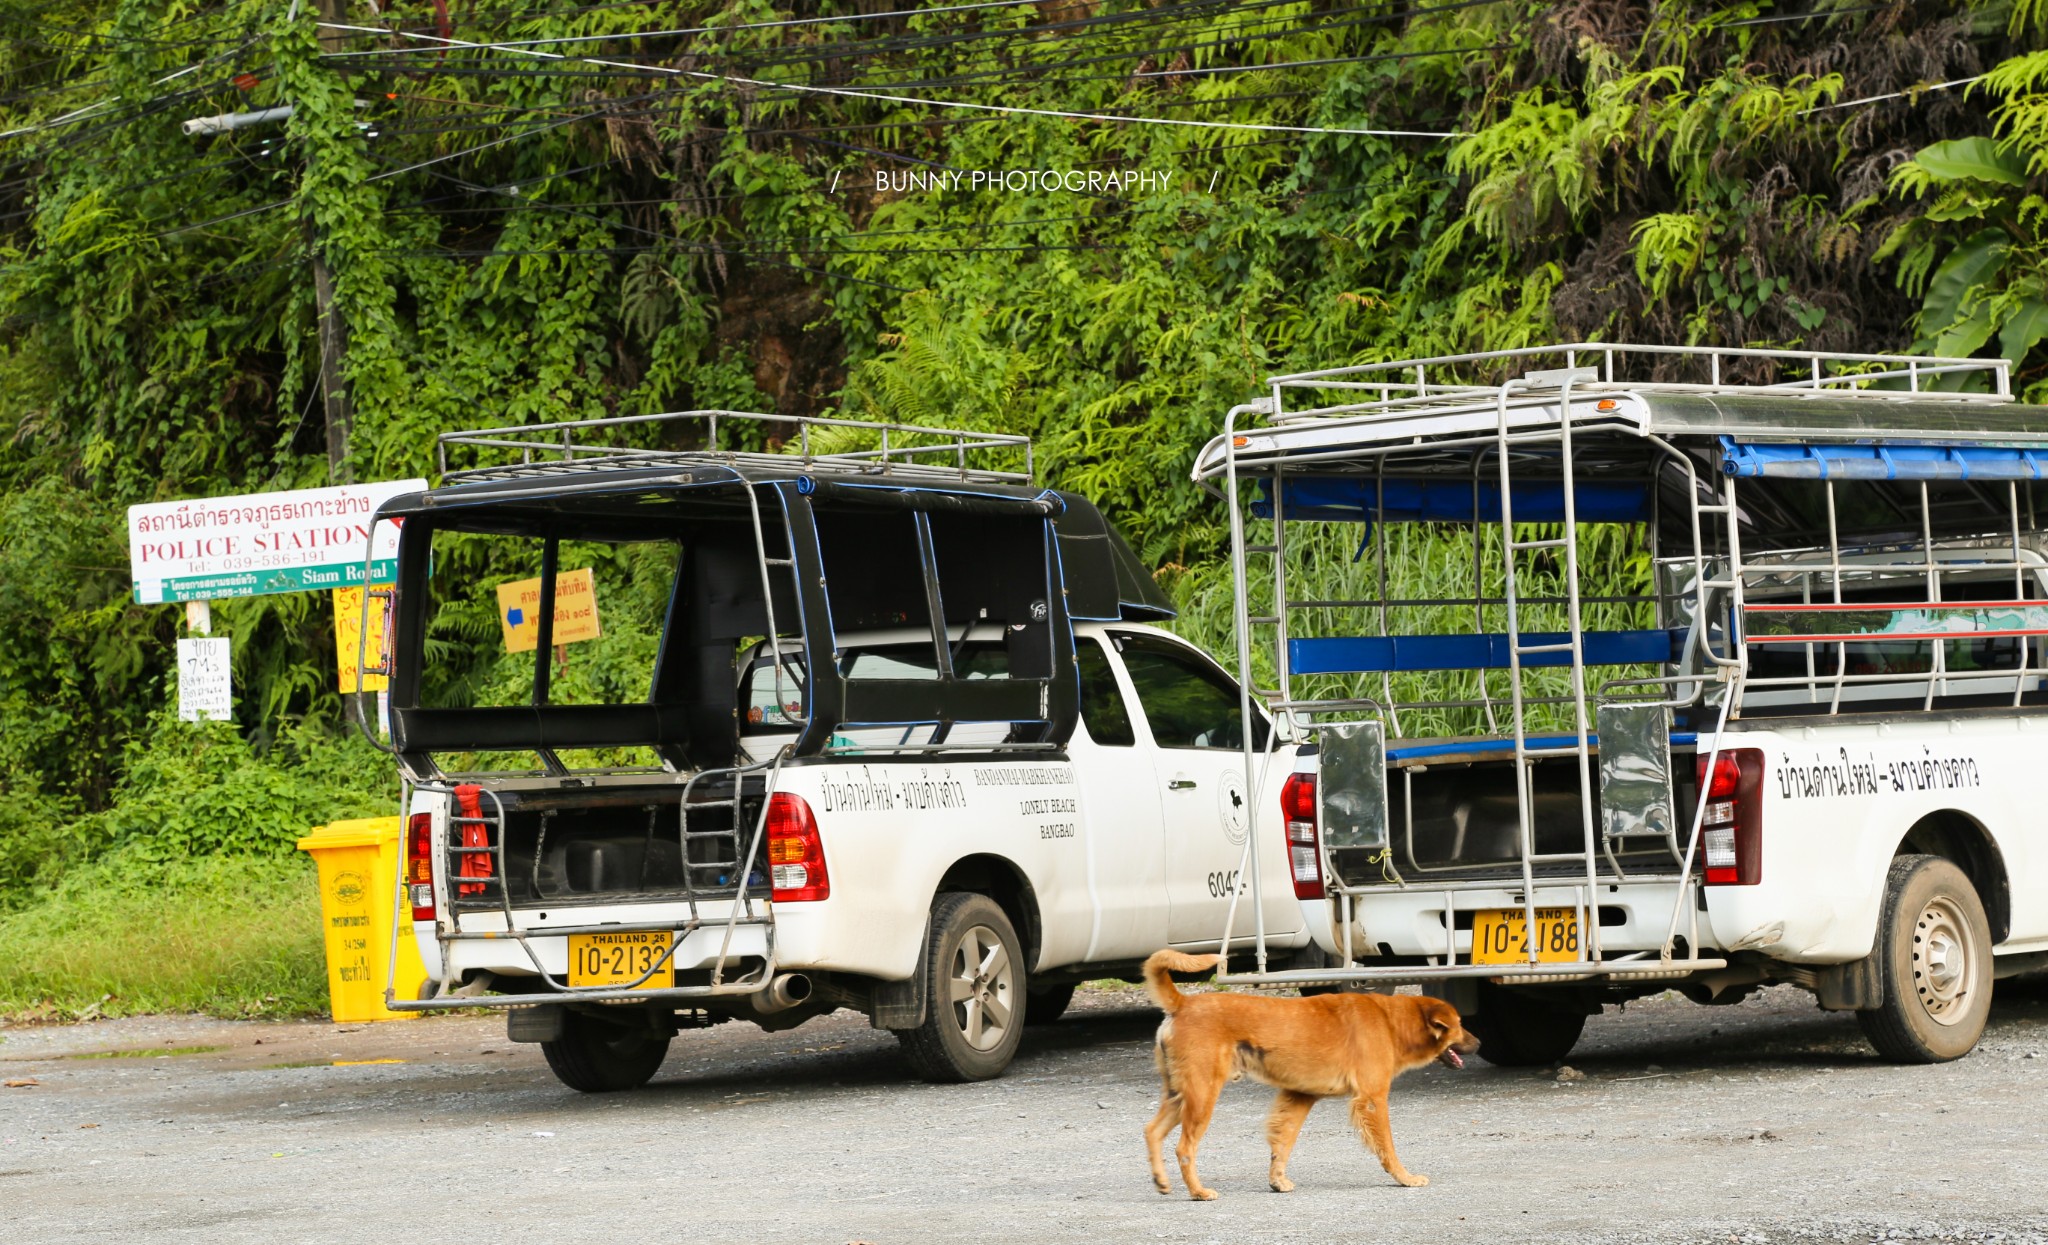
x,y
211,548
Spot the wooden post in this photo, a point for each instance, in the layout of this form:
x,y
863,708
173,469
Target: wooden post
x,y
340,412
334,11
334,395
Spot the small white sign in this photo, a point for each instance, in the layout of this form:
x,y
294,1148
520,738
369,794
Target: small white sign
x,y
212,548
205,688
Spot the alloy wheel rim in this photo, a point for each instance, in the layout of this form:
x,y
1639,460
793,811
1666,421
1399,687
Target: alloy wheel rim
x,y
981,987
1943,962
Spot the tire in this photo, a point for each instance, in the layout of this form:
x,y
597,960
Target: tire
x,y
1045,1004
1519,1030
598,1057
972,953
1313,956
1934,959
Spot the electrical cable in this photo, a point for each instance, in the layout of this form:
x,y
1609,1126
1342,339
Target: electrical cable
x,y
842,92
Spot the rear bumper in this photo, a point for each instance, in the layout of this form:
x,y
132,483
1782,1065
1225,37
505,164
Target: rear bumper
x,y
1414,922
715,954
1635,917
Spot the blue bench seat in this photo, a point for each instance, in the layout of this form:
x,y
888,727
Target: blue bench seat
x,y
1485,651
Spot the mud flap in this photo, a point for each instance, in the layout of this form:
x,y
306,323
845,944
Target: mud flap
x,y
534,1024
902,1004
1851,987
1460,992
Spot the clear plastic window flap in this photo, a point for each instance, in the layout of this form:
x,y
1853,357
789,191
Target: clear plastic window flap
x,y
1353,785
1635,771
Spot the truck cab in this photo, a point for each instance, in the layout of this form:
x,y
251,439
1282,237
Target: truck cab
x,y
888,728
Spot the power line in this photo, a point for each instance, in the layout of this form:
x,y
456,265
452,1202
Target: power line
x,y
795,21
847,93
1908,92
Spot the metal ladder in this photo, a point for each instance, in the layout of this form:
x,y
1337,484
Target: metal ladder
x,y
1586,903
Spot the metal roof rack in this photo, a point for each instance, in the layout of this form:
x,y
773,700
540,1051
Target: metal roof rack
x,y
1641,369
907,451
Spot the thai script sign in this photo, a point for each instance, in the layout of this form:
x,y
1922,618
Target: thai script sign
x,y
205,689
575,610
1844,774
210,548
348,641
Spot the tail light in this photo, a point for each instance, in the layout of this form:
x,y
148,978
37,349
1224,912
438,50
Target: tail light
x,y
1298,809
796,857
1732,827
419,865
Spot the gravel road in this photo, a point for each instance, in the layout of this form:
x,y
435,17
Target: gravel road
x,y
1766,1121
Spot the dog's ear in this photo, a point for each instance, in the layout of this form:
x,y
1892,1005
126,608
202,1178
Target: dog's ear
x,y
1440,1020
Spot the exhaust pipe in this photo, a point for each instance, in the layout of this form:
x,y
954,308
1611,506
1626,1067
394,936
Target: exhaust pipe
x,y
784,992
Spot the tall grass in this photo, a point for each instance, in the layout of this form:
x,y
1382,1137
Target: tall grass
x,y
1436,563
225,935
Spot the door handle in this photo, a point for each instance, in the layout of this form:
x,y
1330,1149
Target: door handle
x,y
1181,784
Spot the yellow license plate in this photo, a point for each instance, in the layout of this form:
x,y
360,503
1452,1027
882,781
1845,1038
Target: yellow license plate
x,y
1501,935
617,960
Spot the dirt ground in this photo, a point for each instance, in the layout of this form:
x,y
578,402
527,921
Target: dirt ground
x,y
1767,1121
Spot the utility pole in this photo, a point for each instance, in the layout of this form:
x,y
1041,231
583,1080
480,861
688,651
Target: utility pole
x,y
334,395
333,359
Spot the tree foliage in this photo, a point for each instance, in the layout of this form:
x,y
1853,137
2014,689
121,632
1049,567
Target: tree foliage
x,y
594,220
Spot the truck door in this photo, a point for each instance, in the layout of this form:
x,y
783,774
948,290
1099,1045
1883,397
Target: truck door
x,y
1120,814
1192,713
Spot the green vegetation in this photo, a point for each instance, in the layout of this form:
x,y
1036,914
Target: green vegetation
x,y
229,935
695,219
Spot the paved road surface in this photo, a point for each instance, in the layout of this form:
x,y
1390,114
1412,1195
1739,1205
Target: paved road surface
x,y
1765,1121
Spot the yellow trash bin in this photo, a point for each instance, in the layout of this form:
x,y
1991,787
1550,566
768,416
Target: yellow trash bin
x,y
358,863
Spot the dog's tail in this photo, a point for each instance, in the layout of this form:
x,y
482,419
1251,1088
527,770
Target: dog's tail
x,y
1159,979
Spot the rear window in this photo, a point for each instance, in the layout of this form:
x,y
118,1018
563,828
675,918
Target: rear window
x,y
912,661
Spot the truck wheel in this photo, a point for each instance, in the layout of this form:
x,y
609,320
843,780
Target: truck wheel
x,y
1518,1030
975,982
597,1057
1045,1004
1934,958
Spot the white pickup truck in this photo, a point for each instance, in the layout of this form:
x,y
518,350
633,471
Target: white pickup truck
x,y
883,729
1833,618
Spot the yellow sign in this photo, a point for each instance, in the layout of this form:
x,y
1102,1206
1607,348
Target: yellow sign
x,y
575,610
348,625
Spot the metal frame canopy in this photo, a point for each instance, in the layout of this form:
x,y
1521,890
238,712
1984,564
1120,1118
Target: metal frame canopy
x,y
1523,446
1396,411
761,528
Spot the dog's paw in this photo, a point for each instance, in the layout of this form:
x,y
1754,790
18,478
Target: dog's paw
x,y
1283,1185
1162,1186
1412,1180
1202,1195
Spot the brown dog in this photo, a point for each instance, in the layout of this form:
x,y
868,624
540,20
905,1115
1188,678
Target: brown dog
x,y
1350,1045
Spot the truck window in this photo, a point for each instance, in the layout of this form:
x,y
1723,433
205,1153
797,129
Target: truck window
x,y
1189,703
1878,656
912,660
762,714
916,661
1102,704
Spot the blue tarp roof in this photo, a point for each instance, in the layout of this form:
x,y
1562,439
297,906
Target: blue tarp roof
x,y
1448,500
1882,462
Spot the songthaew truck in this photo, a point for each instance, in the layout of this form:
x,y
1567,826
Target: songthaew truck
x,y
870,722
1620,669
